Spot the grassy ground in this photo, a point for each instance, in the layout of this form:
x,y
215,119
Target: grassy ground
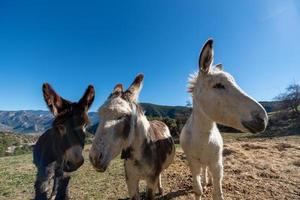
x,y
254,169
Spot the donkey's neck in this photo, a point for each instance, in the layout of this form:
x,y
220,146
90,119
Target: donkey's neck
x,y
142,128
141,135
201,123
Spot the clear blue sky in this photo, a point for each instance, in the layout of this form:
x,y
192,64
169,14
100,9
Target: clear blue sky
x,y
71,44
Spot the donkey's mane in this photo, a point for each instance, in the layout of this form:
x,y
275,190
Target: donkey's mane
x,y
126,96
192,80
63,116
139,108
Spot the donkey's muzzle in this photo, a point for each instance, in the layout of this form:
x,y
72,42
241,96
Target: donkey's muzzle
x,y
96,162
257,125
71,166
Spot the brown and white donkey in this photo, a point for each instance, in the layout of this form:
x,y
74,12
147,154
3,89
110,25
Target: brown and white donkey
x,y
147,146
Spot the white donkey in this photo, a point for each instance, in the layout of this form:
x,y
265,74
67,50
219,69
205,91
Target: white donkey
x,y
147,147
216,99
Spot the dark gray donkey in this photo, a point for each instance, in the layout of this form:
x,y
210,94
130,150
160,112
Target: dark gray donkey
x,y
59,150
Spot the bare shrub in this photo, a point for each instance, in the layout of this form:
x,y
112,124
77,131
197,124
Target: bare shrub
x,y
290,99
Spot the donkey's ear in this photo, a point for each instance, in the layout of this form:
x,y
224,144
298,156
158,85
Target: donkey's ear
x,y
133,91
55,103
88,98
118,89
206,57
219,67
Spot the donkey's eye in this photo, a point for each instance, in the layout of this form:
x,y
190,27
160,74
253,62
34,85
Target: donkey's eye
x,y
219,86
121,117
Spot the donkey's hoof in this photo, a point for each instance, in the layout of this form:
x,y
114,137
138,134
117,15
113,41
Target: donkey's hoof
x,y
218,197
209,183
160,191
197,197
149,194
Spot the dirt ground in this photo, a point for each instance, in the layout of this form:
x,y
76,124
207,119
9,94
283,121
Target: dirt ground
x,y
253,169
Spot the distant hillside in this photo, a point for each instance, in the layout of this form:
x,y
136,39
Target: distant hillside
x,y
173,112
271,106
165,111
37,121
30,121
159,111
283,123
25,121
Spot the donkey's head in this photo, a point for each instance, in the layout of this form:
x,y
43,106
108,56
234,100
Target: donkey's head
x,y
218,96
69,125
117,116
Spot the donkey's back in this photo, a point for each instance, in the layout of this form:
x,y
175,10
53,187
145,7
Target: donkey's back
x,y
161,149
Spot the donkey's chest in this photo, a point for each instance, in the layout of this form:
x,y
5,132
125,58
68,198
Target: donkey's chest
x,y
204,149
152,157
203,152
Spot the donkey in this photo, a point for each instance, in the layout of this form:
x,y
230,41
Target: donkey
x,y
216,99
59,150
147,147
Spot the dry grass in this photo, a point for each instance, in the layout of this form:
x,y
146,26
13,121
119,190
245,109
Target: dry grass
x,y
254,169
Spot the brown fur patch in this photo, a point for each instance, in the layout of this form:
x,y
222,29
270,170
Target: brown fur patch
x,y
126,153
156,150
126,129
157,130
155,153
123,127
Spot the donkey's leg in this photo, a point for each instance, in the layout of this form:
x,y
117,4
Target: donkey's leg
x,y
62,190
133,188
159,185
207,179
132,181
217,174
41,184
152,184
57,176
54,189
204,175
196,171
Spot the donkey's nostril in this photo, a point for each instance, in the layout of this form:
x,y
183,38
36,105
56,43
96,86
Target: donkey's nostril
x,y
259,119
70,166
257,124
261,122
100,156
